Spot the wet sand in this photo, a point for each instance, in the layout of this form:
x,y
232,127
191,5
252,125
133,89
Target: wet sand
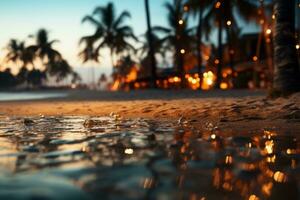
x,y
236,110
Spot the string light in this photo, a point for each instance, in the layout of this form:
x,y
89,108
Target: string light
x,y
255,58
273,16
218,5
268,31
297,46
182,51
228,23
180,22
186,8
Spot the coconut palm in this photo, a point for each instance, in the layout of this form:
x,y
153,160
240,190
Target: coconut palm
x,y
150,44
43,47
177,36
17,52
88,53
221,12
60,69
158,47
286,73
111,32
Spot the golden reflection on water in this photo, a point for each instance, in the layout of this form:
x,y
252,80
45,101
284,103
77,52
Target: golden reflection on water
x,y
269,144
174,158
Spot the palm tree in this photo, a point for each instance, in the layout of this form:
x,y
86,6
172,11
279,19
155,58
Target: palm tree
x,y
110,31
17,52
286,73
157,45
198,7
43,47
222,13
88,53
151,45
177,36
60,69
52,60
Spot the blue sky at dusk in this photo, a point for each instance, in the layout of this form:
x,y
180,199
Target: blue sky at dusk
x,y
20,18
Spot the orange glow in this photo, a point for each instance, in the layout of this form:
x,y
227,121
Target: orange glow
x,y
228,160
213,136
132,76
269,145
208,80
193,81
273,16
186,8
262,21
268,31
218,5
174,79
280,177
206,57
255,58
267,188
224,86
115,86
253,197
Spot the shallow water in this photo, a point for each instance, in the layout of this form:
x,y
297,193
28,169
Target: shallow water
x,y
115,158
11,96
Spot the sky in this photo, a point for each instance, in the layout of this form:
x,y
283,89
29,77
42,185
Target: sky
x,y
62,18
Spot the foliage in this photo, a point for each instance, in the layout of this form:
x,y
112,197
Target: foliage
x,y
110,32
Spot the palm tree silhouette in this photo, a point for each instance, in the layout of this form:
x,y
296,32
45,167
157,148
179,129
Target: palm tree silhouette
x,y
286,72
151,45
110,32
17,52
222,13
177,36
43,47
198,8
88,53
60,69
52,59
157,45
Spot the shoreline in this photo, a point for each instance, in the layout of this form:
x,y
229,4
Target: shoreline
x,y
230,110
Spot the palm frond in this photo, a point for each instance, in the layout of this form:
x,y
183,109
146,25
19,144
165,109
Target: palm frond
x,y
121,18
91,20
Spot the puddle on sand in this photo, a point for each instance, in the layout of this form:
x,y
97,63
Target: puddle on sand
x,y
114,158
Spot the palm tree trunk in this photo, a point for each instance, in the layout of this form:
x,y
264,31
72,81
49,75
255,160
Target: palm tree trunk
x,y
151,47
286,71
199,49
230,53
181,69
220,52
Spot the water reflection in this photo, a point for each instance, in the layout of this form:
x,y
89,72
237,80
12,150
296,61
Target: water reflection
x,y
115,158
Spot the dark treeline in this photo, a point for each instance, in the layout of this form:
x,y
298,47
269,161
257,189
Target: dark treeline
x,y
37,62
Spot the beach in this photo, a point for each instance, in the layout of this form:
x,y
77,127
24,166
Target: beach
x,y
227,110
